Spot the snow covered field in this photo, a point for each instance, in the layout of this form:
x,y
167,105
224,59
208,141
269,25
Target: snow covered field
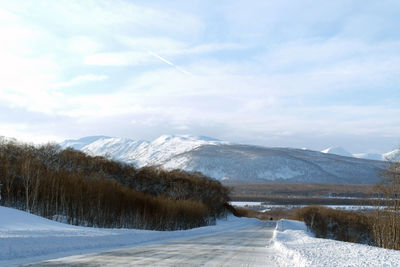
x,y
261,206
295,246
28,238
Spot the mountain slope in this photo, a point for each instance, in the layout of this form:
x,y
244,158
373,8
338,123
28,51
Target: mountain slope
x,y
392,155
373,156
337,151
82,142
224,161
140,153
250,163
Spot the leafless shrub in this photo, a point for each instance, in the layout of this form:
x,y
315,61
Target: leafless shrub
x,y
337,224
386,221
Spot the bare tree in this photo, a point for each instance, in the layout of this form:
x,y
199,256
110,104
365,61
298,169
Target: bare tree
x,y
387,220
29,174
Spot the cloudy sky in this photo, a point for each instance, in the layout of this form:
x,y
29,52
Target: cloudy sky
x,y
278,73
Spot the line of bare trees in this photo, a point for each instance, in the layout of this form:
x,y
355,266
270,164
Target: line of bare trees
x,y
94,191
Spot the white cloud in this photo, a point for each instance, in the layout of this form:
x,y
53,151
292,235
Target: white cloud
x,y
82,79
160,44
260,70
7,17
100,16
24,132
169,46
83,45
120,59
213,47
317,53
138,51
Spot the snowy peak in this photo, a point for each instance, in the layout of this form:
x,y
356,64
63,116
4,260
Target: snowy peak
x,y
166,146
165,139
78,144
141,152
392,155
372,156
337,150
117,148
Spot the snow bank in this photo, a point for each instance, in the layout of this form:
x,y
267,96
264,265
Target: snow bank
x,y
298,247
28,238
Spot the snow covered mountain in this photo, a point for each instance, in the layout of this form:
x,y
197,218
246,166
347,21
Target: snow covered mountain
x,y
252,163
392,155
337,150
82,142
373,156
140,153
232,162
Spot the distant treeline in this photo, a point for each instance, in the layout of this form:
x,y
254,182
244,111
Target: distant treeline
x,y
266,191
95,191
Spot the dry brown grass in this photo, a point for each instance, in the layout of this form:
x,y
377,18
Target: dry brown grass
x,y
338,224
386,223
380,228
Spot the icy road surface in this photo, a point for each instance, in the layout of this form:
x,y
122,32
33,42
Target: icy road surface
x,y
241,247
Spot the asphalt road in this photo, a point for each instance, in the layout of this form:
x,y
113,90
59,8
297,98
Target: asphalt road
x,y
243,247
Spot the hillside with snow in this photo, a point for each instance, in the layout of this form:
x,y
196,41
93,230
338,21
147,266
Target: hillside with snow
x,y
140,153
392,155
337,151
251,163
372,156
231,162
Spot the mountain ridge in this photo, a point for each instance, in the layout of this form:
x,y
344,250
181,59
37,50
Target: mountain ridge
x,y
337,150
234,162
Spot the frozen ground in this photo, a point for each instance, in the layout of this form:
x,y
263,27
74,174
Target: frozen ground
x,y
26,238
261,206
246,203
241,247
295,246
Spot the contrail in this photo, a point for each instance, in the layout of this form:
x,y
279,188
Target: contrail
x,y
169,63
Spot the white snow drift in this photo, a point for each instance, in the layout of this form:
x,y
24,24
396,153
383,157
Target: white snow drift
x,y
28,238
298,247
